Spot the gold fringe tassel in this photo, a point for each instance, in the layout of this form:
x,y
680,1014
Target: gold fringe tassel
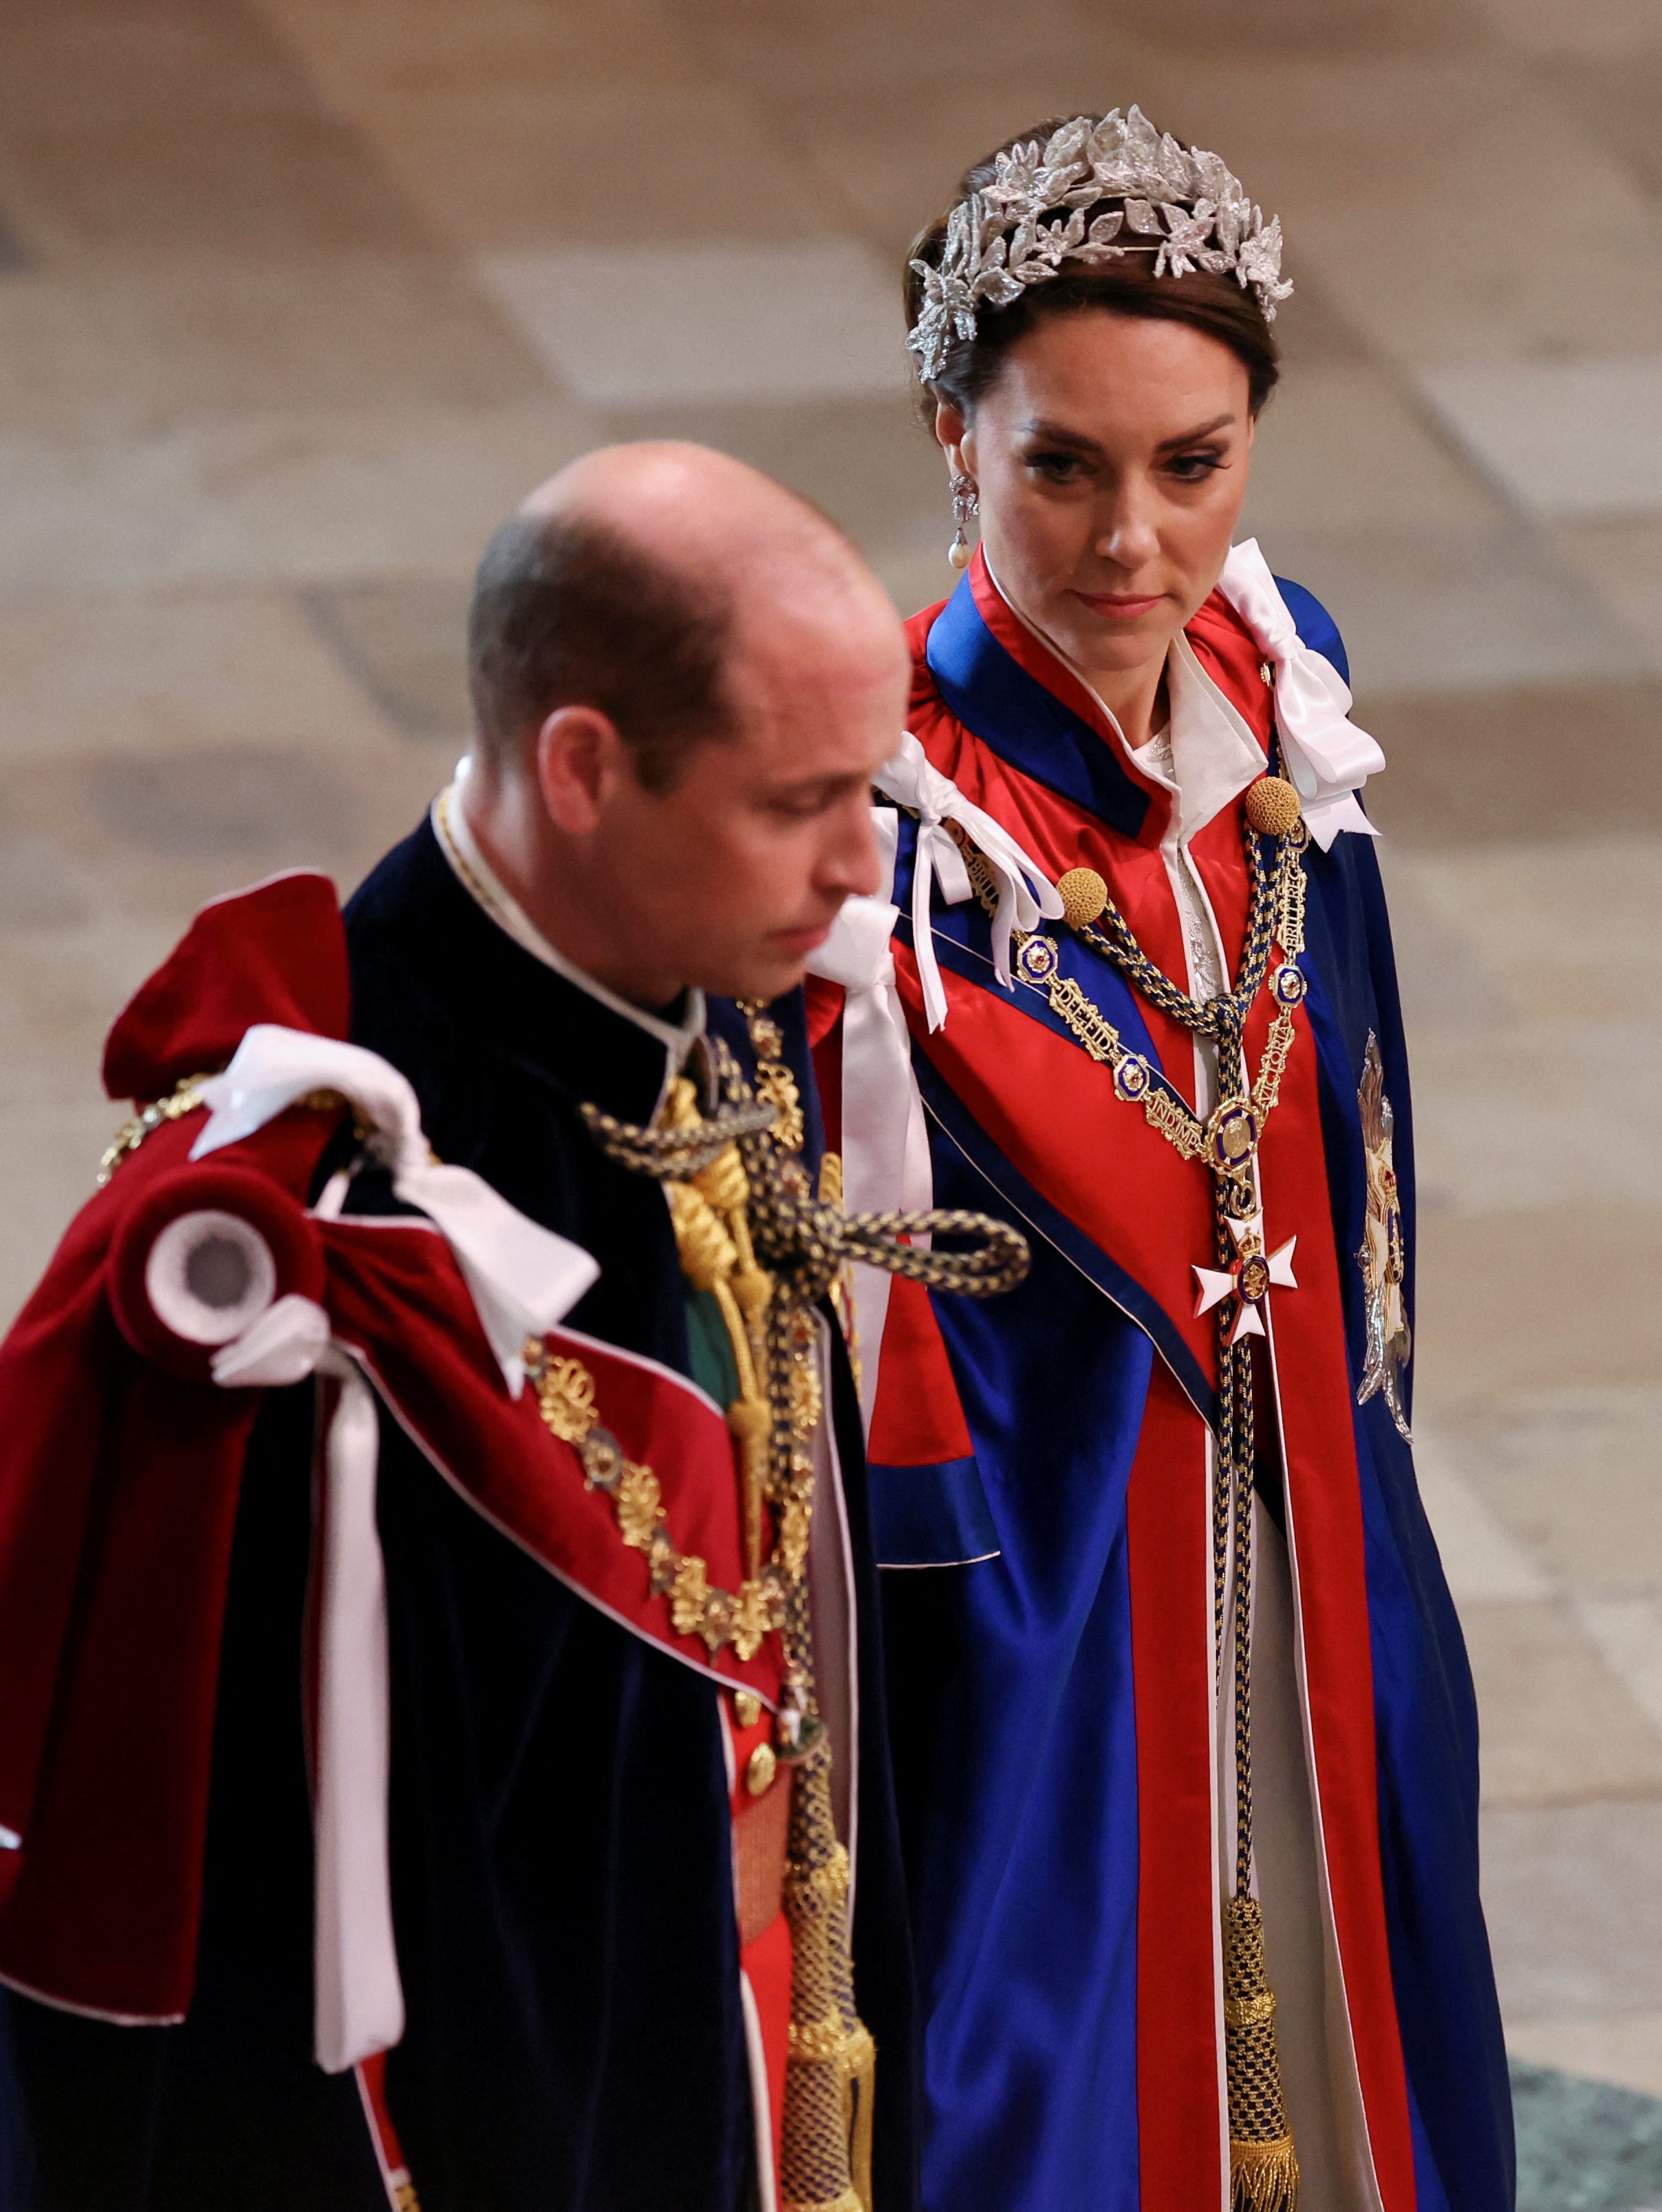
x,y
1264,2177
830,2071
1263,2166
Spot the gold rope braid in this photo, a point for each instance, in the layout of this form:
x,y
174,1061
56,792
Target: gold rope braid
x,y
750,1230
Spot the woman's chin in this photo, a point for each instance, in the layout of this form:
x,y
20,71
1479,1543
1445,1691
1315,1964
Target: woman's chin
x,y
1115,645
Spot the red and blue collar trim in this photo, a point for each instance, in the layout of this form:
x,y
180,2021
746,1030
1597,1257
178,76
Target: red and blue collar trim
x,y
1006,687
1028,1206
1018,698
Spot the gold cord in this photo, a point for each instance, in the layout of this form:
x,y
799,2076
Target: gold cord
x,y
751,1230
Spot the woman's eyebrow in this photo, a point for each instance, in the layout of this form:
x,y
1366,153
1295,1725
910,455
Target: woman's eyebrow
x,y
1058,434
1190,437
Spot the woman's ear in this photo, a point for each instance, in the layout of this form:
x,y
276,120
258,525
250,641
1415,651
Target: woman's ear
x,y
950,431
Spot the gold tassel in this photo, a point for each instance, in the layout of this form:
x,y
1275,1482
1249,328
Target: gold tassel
x,y
1264,2177
861,2061
1263,2166
751,1422
825,2154
831,2066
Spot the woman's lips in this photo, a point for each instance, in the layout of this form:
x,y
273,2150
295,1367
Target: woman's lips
x,y
1124,606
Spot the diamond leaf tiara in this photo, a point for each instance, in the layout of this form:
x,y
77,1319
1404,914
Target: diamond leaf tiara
x,y
1186,207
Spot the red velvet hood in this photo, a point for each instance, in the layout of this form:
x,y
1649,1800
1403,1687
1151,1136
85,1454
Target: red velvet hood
x,y
119,1480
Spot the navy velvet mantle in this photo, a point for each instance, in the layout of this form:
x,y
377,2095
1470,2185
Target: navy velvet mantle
x,y
563,1868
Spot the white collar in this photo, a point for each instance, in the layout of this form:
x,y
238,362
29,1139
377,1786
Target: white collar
x,y
1215,754
479,879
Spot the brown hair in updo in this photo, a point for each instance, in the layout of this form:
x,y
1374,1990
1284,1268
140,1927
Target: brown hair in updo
x,y
1218,305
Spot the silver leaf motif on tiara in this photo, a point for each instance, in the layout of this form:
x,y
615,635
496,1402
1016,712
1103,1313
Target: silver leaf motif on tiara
x,y
1021,227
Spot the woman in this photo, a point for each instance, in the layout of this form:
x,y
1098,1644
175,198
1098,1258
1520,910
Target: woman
x,y
1182,1705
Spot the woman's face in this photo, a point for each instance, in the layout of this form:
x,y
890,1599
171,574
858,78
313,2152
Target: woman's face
x,y
1110,457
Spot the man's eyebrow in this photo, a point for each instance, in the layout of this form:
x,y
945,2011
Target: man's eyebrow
x,y
833,780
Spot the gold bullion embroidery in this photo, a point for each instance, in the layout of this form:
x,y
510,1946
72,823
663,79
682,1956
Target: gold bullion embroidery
x,y
565,1396
1380,1254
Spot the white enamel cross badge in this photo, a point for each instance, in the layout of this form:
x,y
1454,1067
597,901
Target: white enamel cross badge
x,y
1250,1279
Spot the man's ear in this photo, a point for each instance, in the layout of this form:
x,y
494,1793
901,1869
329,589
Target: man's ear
x,y
579,759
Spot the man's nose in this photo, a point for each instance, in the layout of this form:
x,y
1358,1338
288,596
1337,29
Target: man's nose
x,y
851,865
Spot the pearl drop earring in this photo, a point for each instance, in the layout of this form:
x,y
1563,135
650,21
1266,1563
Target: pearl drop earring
x,y
966,505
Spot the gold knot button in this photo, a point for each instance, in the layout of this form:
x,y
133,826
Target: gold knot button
x,y
747,1708
1272,805
760,1770
1083,895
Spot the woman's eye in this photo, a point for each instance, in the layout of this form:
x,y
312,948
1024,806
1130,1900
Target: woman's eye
x,y
1189,468
1055,468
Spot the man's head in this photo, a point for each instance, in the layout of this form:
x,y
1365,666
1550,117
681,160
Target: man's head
x,y
683,680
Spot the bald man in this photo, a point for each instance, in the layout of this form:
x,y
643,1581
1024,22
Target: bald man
x,y
683,681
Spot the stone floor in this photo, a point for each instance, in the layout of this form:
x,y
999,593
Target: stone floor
x,y
297,296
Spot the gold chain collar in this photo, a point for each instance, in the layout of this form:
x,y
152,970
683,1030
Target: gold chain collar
x,y
1227,1138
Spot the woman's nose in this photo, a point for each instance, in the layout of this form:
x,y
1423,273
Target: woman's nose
x,y
1127,535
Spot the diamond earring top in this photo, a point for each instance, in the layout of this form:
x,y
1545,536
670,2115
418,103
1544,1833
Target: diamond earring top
x,y
966,505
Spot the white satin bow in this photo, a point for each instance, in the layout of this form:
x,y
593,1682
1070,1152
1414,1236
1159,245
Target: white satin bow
x,y
1328,757
523,1279
885,1144
1025,893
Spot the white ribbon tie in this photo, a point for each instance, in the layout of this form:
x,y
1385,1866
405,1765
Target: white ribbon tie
x,y
1024,892
885,1141
1328,757
523,1279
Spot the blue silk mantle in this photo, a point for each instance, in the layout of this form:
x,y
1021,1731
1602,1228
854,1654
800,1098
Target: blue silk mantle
x,y
1057,1807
